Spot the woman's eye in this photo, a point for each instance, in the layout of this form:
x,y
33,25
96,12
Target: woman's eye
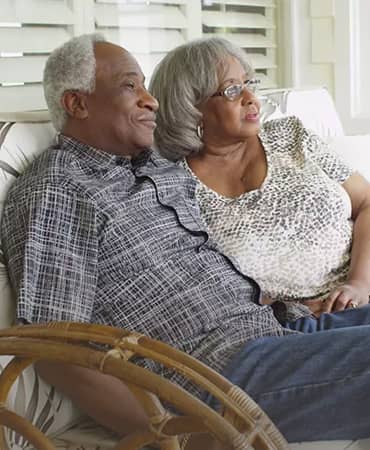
x,y
233,89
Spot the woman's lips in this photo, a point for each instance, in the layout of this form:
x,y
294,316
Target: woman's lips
x,y
253,117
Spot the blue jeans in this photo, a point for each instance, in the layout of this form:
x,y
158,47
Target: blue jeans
x,y
343,319
316,385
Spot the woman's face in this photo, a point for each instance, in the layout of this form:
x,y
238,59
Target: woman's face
x,y
226,122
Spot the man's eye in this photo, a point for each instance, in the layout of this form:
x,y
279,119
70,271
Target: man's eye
x,y
130,85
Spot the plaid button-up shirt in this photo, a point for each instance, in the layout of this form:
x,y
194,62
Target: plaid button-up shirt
x,y
93,237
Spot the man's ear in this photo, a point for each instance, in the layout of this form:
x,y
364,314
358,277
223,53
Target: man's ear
x,y
75,104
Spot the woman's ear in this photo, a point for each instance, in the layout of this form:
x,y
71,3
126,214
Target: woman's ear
x,y
75,105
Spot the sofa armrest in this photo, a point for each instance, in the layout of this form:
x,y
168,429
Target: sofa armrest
x,y
314,106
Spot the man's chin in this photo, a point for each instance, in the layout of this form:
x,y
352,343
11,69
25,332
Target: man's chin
x,y
142,148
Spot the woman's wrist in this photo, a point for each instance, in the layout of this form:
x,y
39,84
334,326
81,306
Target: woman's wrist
x,y
359,284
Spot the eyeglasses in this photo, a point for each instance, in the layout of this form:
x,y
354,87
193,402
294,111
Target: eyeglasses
x,y
234,91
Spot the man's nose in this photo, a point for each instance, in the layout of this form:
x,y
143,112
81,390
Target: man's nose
x,y
148,101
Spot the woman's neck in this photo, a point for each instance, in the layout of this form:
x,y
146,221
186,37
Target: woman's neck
x,y
237,155
231,170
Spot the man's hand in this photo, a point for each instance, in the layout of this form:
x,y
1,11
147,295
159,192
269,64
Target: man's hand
x,y
348,295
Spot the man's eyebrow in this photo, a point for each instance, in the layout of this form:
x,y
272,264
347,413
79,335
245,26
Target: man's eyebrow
x,y
125,74
122,75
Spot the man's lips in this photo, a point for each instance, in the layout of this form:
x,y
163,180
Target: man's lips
x,y
148,121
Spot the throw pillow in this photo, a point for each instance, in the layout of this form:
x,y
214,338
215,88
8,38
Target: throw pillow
x,y
355,150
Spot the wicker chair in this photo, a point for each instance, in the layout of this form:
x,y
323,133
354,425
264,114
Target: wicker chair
x,y
240,424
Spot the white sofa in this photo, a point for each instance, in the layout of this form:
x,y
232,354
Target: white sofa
x,y
22,137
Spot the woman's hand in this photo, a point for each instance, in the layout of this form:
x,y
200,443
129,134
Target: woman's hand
x,y
315,306
266,300
351,294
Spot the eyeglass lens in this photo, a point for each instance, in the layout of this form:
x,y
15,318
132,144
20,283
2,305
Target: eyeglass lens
x,y
235,90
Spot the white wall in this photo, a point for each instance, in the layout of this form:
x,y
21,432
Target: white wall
x,y
307,46
327,43
352,68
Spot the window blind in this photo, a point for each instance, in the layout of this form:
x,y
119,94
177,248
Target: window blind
x,y
31,29
148,29
250,24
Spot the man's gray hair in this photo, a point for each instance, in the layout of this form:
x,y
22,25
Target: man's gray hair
x,y
187,76
69,67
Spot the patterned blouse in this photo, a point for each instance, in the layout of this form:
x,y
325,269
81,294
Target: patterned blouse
x,y
292,235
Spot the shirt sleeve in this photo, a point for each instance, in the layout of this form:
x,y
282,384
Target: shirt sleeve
x,y
319,152
51,247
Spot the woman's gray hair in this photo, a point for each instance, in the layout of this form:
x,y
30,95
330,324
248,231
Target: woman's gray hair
x,y
69,67
187,76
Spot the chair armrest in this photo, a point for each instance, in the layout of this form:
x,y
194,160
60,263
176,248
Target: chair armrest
x,y
240,425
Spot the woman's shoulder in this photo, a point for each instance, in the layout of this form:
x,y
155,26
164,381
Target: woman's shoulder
x,y
283,125
284,134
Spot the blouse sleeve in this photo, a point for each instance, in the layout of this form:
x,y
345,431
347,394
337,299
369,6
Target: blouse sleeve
x,y
319,152
51,248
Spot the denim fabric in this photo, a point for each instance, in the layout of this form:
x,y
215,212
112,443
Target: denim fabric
x,y
314,386
342,319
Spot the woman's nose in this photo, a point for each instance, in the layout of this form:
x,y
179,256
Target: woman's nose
x,y
248,94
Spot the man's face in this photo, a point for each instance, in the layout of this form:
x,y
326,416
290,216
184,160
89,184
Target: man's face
x,y
121,113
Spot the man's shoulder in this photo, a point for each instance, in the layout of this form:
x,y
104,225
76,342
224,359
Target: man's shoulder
x,y
52,161
53,167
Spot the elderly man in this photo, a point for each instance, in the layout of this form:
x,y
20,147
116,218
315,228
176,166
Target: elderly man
x,y
100,229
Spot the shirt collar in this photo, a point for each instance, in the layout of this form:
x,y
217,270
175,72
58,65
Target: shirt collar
x,y
155,159
99,157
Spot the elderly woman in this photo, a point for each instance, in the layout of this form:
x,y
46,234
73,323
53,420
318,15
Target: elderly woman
x,y
295,217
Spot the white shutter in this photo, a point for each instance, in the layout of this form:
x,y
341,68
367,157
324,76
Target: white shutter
x,y
29,31
148,29
250,24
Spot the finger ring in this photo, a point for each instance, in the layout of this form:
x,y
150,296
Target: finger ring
x,y
353,305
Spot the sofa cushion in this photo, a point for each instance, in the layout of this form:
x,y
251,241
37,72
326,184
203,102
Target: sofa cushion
x,y
355,150
314,107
